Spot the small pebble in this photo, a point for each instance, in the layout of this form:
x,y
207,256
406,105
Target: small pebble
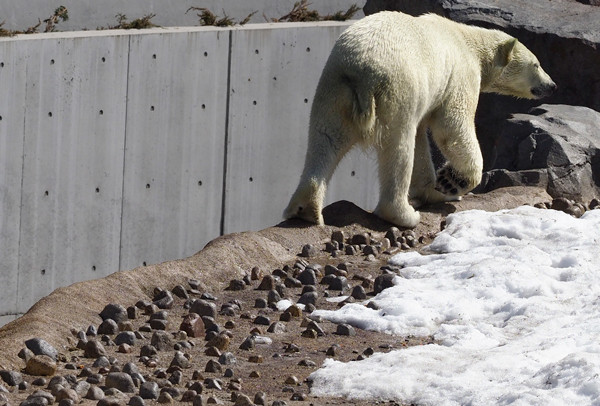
x,y
236,285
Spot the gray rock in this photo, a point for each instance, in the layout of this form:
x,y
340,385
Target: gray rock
x,y
180,360
114,312
94,393
161,340
35,401
204,308
338,283
94,349
383,282
108,326
149,390
126,337
12,378
136,401
120,381
345,330
358,293
197,401
164,300
553,146
227,358
309,250
307,277
308,298
130,368
41,347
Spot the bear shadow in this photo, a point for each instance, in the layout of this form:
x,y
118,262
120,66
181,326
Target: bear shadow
x,y
344,213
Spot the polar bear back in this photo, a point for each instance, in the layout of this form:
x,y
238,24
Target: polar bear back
x,y
408,63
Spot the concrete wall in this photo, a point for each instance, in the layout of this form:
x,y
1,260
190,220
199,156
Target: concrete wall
x,y
91,14
119,148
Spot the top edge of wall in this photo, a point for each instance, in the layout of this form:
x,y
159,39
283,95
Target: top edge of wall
x,y
171,30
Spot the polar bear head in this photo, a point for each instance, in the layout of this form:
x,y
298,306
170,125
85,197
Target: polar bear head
x,y
518,73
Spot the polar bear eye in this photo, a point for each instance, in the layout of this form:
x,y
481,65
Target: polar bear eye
x,y
536,65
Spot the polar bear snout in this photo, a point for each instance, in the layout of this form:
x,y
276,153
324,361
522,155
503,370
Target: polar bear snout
x,y
544,90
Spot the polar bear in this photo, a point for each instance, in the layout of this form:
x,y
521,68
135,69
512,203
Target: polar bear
x,y
389,79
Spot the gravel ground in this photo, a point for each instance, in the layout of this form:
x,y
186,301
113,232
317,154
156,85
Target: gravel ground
x,y
230,344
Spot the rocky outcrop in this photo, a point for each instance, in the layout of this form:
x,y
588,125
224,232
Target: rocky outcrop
x,y
564,34
553,146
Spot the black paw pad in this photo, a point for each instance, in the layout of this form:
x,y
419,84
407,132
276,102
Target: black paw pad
x,y
449,182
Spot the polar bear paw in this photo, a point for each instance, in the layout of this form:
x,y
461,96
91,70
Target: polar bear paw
x,y
450,183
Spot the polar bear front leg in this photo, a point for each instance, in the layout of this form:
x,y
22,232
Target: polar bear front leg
x,y
423,182
396,157
456,139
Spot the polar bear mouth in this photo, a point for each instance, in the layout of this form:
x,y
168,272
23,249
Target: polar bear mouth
x,y
544,90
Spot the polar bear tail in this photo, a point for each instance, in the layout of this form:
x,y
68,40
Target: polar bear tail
x,y
364,112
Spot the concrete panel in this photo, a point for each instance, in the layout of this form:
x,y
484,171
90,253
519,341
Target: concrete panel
x,y
12,86
176,115
90,14
274,74
73,171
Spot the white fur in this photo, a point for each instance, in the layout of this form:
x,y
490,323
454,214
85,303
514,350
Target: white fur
x,y
391,77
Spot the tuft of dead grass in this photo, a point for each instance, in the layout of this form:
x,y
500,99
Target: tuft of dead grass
x,y
208,18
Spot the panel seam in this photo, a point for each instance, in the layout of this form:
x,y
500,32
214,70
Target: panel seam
x,y
124,152
227,109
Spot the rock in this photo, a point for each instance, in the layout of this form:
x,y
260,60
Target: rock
x,y
41,365
136,401
339,283
248,343
114,312
236,285
308,298
267,283
12,378
358,293
164,398
120,381
149,390
213,367
94,393
309,250
338,236
161,340
561,33
94,349
34,401
67,393
383,282
227,358
41,347
193,325
164,300
109,327
180,360
553,146
262,320
307,277
345,330
126,337
204,308
243,400
221,342
197,401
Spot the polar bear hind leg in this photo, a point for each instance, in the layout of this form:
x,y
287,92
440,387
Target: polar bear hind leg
x,y
395,172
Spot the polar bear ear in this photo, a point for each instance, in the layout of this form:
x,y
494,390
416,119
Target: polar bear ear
x,y
505,52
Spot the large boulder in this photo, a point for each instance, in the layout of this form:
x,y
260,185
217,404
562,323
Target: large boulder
x,y
553,146
564,34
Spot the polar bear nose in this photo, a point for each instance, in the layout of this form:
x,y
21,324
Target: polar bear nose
x,y
544,90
